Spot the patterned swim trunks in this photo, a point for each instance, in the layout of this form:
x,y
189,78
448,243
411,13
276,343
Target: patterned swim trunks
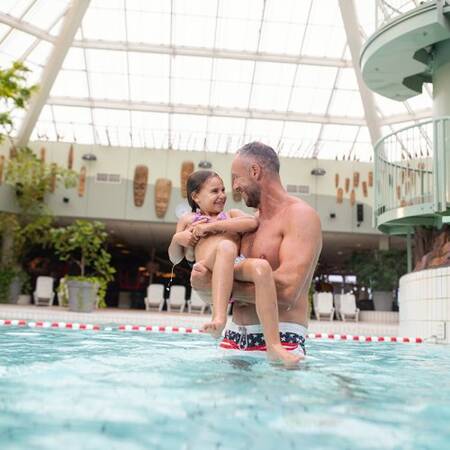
x,y
250,338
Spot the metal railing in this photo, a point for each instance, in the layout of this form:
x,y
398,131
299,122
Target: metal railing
x,y
387,10
404,168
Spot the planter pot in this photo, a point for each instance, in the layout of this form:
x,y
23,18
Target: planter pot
x,y
14,290
24,299
382,300
82,296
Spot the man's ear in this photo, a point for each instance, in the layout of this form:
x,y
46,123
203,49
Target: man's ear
x,y
255,171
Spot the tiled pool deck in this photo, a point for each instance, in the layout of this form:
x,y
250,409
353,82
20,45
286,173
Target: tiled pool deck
x,y
384,327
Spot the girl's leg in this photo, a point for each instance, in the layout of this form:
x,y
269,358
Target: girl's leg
x,y
221,263
259,272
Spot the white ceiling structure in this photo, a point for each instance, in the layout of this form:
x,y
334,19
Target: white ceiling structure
x,y
203,75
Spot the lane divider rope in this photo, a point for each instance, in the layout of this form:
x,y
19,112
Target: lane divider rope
x,y
189,330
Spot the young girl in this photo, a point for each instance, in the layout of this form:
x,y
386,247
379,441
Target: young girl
x,y
213,238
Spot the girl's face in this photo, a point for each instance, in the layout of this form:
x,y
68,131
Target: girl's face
x,y
211,197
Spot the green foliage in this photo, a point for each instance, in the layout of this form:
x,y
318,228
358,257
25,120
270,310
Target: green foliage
x,y
83,243
14,94
7,275
32,179
377,269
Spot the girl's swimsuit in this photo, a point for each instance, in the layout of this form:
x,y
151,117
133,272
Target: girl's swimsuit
x,y
221,216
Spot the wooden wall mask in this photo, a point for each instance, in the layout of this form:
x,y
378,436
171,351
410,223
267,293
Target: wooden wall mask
x,y
163,189
340,195
82,182
186,169
140,181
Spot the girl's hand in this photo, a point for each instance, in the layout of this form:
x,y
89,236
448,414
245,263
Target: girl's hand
x,y
186,239
201,230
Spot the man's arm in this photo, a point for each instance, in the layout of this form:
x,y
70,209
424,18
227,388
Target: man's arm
x,y
299,251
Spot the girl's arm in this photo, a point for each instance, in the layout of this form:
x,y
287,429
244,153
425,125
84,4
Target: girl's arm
x,y
237,223
181,239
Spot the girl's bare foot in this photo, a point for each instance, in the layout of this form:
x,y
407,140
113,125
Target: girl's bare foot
x,y
214,328
279,354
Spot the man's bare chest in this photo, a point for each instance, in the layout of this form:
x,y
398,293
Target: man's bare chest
x,y
264,243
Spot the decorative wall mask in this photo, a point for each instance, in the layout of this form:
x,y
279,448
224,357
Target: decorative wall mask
x,y
140,181
70,157
82,182
163,189
340,195
399,192
186,169
355,179
336,180
352,197
370,179
12,152
347,185
364,188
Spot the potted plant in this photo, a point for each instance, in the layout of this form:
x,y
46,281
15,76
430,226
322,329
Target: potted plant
x,y
380,271
83,243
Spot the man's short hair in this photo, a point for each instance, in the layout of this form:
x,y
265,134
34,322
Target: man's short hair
x,y
263,154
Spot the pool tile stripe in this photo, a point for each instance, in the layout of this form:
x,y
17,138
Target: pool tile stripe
x,y
189,330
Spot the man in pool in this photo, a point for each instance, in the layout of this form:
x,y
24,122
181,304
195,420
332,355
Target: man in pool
x,y
289,237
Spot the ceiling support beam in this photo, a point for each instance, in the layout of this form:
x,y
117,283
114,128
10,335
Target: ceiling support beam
x,y
351,25
174,50
71,23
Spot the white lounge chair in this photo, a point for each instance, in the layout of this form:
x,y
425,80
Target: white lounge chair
x,y
196,303
337,305
323,305
348,308
177,299
44,295
155,297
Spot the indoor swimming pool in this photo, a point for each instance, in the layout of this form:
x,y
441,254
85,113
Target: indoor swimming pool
x,y
65,389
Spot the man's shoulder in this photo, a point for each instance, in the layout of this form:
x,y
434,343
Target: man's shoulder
x,y
300,210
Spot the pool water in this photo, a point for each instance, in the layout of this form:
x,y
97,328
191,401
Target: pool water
x,y
112,390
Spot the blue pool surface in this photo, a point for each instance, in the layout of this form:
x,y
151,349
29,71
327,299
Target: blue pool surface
x,y
129,391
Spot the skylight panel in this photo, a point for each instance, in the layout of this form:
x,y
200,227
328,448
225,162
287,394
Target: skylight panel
x,y
267,131
15,8
191,80
389,107
188,132
104,23
41,53
272,86
152,128
109,86
44,12
346,103
16,43
225,134
70,83
148,27
281,37
232,81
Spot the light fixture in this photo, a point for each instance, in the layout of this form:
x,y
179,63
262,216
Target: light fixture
x,y
89,157
204,164
318,171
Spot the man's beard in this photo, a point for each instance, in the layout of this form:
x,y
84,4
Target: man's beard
x,y
253,197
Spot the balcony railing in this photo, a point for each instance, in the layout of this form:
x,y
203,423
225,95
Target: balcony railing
x,y
387,10
411,168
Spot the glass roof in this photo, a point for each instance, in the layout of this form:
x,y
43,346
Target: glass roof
x,y
205,75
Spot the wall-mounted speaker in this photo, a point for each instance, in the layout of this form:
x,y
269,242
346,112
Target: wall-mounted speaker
x,y
360,212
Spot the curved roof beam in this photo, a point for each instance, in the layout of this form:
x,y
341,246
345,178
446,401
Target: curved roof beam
x,y
72,21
